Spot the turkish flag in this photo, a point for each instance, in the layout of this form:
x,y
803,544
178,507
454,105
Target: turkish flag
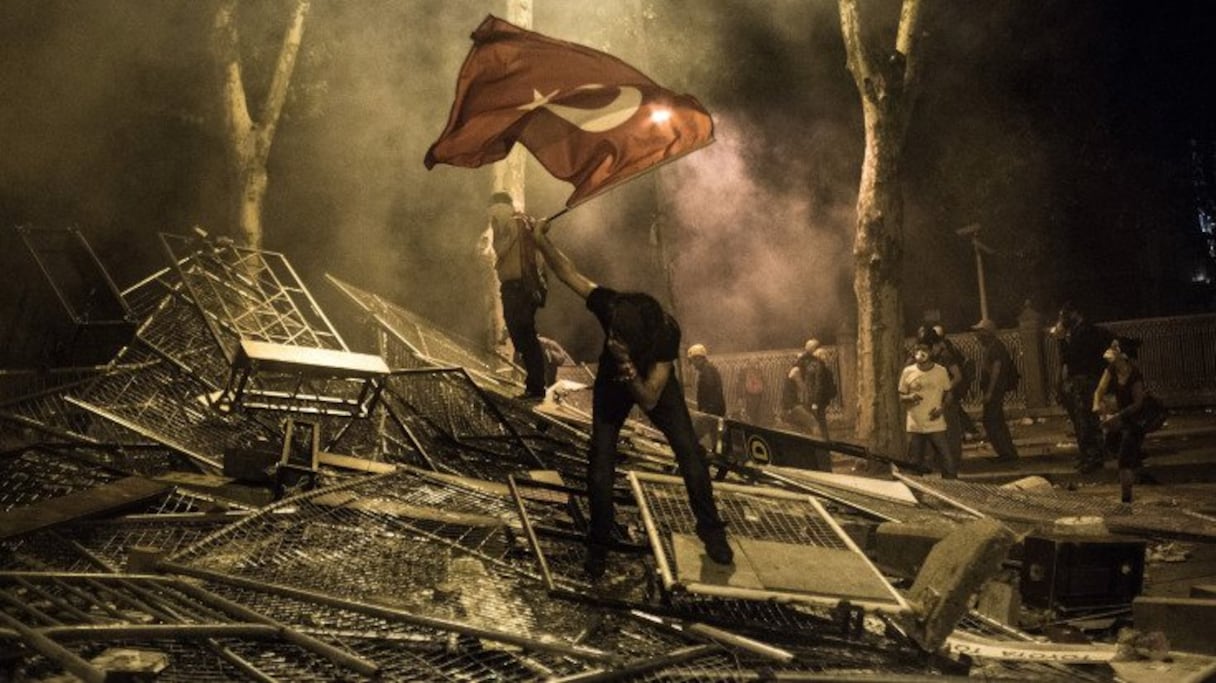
x,y
588,118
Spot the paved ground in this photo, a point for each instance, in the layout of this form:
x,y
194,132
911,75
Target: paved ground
x,y
1180,458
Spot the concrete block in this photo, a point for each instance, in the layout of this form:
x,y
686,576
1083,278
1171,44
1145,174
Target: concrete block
x,y
901,548
1001,599
1186,622
956,568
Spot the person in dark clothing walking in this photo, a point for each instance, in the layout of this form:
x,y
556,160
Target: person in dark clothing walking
x,y
952,409
522,286
1131,416
1081,347
636,367
808,389
996,370
963,388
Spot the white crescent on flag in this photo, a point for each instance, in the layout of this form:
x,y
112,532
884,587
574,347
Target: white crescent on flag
x,y
598,120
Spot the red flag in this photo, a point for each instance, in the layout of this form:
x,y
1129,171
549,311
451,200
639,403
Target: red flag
x,y
588,118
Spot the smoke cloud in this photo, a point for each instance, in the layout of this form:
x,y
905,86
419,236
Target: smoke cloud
x,y
111,123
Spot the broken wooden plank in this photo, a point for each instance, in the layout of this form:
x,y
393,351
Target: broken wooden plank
x,y
110,497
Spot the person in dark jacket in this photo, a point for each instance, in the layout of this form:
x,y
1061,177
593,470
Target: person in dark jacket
x,y
1081,345
636,367
1124,421
996,369
807,390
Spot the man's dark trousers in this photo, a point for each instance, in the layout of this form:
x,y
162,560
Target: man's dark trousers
x,y
611,403
519,311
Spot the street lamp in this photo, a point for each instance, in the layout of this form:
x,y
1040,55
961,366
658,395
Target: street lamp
x,y
972,231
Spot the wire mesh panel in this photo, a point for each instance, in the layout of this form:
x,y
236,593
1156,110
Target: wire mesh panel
x,y
446,406
787,547
413,342
249,294
52,415
401,541
88,546
77,621
173,326
170,406
37,475
394,538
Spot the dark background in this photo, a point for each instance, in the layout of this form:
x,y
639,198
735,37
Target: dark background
x,y
1078,133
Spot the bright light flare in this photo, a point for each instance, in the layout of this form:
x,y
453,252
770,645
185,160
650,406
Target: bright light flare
x,y
660,115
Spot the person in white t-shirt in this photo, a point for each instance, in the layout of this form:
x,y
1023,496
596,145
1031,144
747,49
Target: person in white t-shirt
x,y
924,390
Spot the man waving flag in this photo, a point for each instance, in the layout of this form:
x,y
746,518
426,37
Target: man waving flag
x,y
588,118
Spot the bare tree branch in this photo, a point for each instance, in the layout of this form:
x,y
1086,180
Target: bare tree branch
x,y
859,62
908,41
283,69
237,123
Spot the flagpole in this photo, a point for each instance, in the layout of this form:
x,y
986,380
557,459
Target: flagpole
x,y
557,215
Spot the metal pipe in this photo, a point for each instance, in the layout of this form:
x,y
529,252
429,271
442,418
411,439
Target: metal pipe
x,y
330,652
70,661
157,631
527,524
638,667
56,601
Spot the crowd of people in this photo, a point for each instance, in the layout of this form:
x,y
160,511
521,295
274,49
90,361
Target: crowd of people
x,y
1099,384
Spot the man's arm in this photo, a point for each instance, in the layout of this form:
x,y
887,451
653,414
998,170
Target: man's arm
x,y
1100,392
561,265
906,397
645,390
993,378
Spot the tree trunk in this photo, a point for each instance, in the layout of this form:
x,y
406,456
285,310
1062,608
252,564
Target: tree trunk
x,y
887,87
248,141
877,278
509,177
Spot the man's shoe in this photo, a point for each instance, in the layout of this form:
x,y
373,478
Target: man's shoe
x,y
596,562
717,547
530,397
1005,458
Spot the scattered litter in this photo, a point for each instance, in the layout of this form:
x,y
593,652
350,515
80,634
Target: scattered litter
x,y
1170,552
1134,645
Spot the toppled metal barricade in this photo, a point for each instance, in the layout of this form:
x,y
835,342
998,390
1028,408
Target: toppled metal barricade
x,y
450,563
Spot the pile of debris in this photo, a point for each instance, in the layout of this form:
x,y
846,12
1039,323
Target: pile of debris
x,y
239,495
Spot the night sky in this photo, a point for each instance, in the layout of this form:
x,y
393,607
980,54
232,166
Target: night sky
x,y
1073,131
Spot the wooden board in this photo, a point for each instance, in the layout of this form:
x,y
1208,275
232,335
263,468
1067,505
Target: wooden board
x,y
95,501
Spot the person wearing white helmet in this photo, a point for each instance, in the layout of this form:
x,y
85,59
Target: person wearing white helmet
x,y
711,400
710,397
